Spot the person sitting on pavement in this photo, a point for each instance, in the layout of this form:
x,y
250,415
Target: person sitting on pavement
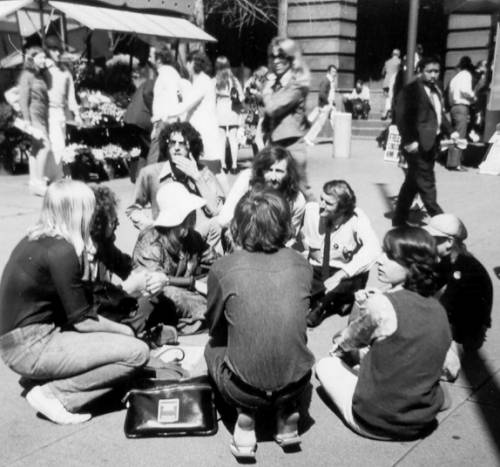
x,y
129,302
341,245
358,102
274,167
49,331
172,252
246,311
467,293
395,392
180,149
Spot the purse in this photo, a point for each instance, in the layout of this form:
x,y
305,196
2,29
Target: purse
x,y
171,408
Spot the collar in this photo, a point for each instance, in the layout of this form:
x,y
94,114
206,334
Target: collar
x,y
166,171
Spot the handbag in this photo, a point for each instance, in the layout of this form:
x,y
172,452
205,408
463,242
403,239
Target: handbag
x,y
171,408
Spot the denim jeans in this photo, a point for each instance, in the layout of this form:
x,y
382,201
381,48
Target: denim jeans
x,y
81,366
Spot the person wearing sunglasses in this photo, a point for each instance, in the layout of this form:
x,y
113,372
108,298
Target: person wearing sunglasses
x,y
180,149
284,95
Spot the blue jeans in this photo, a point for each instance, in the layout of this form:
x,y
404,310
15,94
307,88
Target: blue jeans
x,y
81,366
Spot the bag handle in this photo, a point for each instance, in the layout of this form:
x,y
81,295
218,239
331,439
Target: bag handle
x,y
178,349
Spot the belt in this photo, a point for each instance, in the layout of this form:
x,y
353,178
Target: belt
x,y
268,394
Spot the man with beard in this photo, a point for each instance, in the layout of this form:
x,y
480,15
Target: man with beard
x,y
341,246
181,146
273,167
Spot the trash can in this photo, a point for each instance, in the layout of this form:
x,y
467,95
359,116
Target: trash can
x,y
342,135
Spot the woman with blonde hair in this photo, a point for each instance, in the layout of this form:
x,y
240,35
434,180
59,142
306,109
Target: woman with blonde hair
x,y
34,104
229,94
284,96
49,330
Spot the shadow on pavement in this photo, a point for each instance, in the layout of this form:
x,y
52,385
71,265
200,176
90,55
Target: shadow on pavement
x,y
479,374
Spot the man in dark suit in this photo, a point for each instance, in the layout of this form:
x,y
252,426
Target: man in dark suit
x,y
421,121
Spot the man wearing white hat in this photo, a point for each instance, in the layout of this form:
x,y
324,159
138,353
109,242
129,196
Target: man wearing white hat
x,y
171,251
467,291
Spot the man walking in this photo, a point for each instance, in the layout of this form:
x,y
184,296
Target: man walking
x,y
421,120
461,97
326,104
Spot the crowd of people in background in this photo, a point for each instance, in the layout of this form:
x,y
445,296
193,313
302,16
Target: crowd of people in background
x,y
254,264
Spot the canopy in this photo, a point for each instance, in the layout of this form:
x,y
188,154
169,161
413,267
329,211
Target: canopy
x,y
107,19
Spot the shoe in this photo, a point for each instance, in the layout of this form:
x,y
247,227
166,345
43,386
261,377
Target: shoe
x,y
53,409
461,168
308,142
287,431
316,316
244,428
233,171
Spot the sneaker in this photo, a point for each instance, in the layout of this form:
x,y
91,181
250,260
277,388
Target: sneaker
x,y
53,409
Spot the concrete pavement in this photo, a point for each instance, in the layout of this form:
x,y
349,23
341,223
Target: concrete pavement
x,y
468,434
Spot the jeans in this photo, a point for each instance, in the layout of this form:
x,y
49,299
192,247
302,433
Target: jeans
x,y
80,366
460,117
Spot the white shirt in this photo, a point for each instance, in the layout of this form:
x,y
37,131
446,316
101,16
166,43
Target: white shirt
x,y
166,92
62,89
460,89
354,246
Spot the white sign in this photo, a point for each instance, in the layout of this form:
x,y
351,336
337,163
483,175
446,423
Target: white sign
x,y
392,150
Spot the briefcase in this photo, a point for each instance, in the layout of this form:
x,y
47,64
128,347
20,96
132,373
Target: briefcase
x,y
171,408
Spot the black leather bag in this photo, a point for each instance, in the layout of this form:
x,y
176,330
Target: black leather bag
x,y
171,408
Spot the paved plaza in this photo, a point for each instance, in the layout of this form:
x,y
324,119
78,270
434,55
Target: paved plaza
x,y
468,433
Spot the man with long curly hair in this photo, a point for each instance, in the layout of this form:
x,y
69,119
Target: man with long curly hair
x,y
273,167
180,149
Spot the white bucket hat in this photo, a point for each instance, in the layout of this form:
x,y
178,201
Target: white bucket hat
x,y
175,203
446,225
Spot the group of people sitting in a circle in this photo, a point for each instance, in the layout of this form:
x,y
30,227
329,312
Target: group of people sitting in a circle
x,y
276,264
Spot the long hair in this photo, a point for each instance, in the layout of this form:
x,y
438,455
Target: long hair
x,y
29,55
67,210
266,158
104,212
262,221
414,249
224,77
291,50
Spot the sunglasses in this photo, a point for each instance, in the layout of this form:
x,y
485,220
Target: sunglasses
x,y
279,56
173,143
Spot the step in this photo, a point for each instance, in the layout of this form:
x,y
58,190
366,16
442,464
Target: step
x,y
372,132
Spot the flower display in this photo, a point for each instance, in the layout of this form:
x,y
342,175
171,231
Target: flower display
x,y
72,150
99,109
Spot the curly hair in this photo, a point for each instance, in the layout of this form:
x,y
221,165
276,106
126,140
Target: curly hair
x,y
414,249
188,132
266,158
261,221
104,214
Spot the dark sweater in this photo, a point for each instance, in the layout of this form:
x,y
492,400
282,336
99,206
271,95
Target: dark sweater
x,y
468,296
41,283
257,308
398,393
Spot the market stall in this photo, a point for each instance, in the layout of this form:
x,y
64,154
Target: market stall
x,y
103,134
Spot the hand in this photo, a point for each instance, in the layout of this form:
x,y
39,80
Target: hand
x,y
335,280
454,136
37,133
155,281
361,296
411,148
135,284
187,165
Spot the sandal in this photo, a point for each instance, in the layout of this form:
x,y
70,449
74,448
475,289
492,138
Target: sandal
x,y
288,440
243,452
